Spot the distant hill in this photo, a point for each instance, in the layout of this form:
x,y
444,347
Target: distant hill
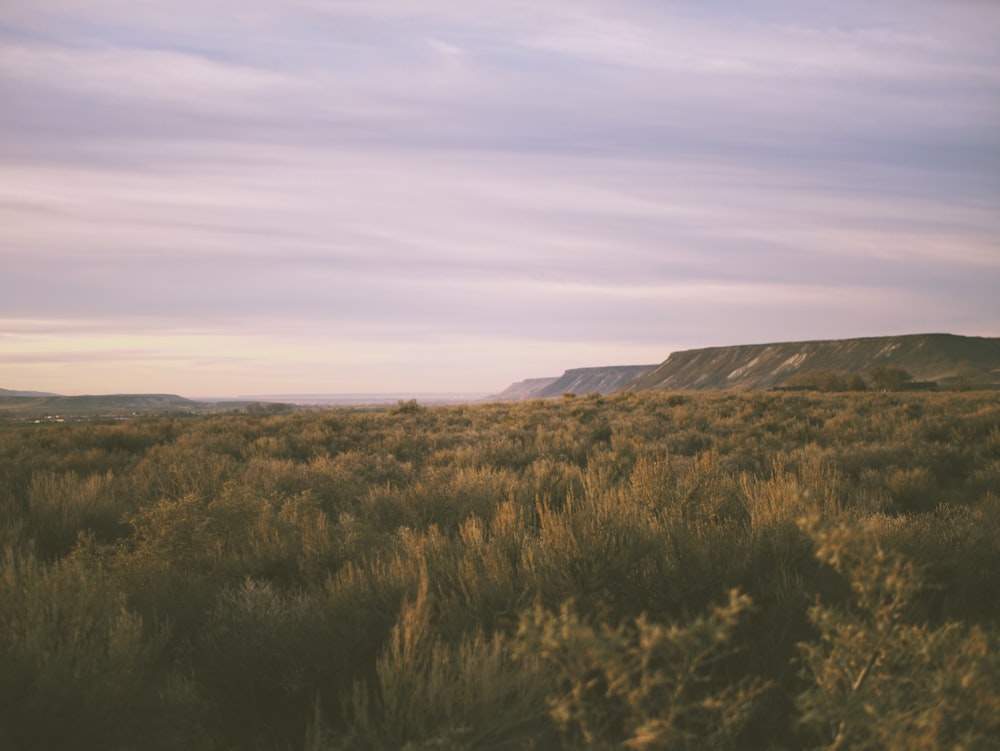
x,y
601,380
109,405
8,392
949,360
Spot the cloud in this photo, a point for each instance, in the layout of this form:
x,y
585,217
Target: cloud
x,y
574,76
385,180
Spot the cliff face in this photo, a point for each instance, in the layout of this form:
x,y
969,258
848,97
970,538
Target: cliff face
x,y
607,380
529,388
580,381
945,358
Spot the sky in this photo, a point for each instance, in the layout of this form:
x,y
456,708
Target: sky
x,y
236,197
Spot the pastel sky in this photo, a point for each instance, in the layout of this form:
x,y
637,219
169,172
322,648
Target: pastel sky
x,y
230,197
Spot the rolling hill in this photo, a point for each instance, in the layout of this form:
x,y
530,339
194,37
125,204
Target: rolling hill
x,y
108,405
8,392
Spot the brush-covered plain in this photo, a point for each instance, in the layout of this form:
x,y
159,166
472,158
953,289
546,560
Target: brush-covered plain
x,y
642,571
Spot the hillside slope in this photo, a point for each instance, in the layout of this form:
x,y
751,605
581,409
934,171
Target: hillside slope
x,y
948,359
606,380
600,380
529,388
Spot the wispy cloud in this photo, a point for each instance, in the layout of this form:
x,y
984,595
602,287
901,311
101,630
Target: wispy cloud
x,y
483,191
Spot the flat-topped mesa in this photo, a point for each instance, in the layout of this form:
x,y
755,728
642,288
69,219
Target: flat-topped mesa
x,y
948,360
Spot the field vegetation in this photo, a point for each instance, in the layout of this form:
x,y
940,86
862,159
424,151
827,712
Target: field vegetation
x,y
643,571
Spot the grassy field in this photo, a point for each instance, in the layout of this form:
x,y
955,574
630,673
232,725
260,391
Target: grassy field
x,y
644,571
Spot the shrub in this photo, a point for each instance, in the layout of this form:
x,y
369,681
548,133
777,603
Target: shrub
x,y
882,681
408,407
429,693
78,671
827,380
889,377
643,685
263,656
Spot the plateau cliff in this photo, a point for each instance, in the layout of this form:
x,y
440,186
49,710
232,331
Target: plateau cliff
x,y
948,360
